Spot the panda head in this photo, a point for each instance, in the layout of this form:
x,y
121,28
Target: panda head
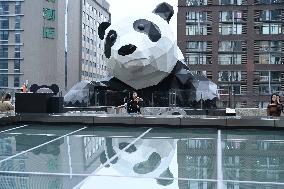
x,y
141,50
145,158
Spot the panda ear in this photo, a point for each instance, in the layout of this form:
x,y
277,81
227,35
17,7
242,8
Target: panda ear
x,y
165,11
102,28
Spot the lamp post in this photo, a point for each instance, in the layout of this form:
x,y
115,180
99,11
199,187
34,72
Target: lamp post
x,y
230,88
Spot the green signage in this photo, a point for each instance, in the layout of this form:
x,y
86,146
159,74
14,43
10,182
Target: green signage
x,y
48,32
49,14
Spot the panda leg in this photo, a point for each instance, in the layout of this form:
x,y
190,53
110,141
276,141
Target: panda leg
x,y
149,165
169,178
110,151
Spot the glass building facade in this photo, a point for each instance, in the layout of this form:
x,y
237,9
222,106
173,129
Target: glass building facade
x,y
93,61
10,43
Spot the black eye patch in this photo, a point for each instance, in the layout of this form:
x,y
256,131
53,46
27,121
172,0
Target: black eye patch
x,y
148,28
109,42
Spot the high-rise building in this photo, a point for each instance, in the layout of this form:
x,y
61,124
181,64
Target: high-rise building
x,y
85,51
32,42
239,44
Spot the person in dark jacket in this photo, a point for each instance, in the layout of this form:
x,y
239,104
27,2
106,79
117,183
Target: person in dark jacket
x,y
134,104
274,108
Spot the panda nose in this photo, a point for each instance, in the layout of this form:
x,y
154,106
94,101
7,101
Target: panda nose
x,y
127,50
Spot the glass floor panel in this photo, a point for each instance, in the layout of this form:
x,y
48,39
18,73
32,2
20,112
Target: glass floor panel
x,y
115,157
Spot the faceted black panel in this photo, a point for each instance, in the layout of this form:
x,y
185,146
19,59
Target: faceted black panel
x,y
148,28
127,50
165,11
102,28
80,95
109,42
185,85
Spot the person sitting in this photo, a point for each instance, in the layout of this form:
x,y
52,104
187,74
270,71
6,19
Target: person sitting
x,y
274,108
134,104
5,104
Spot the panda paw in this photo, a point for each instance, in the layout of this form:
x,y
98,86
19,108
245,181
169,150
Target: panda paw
x,y
104,159
130,149
166,179
149,165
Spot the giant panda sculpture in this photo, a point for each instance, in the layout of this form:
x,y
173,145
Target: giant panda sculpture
x,y
142,55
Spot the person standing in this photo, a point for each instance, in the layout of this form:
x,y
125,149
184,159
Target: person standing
x,y
274,108
279,102
5,104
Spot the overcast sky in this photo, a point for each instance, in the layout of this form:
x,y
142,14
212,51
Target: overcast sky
x,y
124,8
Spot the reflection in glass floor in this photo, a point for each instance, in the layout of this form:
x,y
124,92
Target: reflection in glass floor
x,y
74,156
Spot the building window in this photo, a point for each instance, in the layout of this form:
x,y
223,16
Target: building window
x,y
231,22
268,82
16,81
17,66
266,89
269,28
230,2
231,52
17,37
227,59
268,1
17,7
229,76
17,51
197,52
17,22
196,2
4,8
3,51
4,22
3,80
234,87
269,15
197,23
268,21
269,76
270,52
4,35
4,65
196,58
230,46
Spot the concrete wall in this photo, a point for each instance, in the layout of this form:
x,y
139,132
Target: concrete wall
x,y
74,42
43,58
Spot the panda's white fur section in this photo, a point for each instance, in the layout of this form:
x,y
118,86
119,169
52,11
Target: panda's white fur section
x,y
145,147
151,62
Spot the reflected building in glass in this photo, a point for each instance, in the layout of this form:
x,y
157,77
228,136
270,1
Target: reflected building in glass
x,y
239,44
196,159
252,157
